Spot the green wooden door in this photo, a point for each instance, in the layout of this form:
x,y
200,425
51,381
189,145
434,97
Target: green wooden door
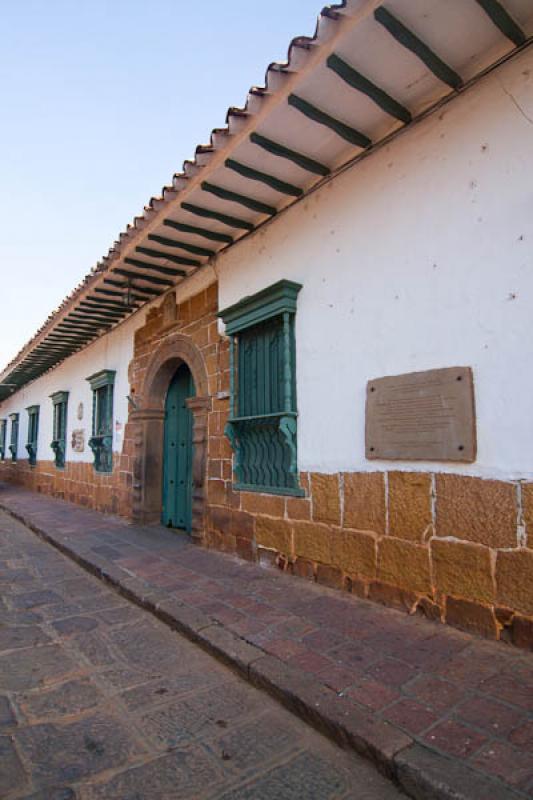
x,y
177,454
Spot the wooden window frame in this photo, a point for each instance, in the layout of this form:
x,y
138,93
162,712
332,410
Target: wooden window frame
x,y
59,428
271,431
101,442
14,435
33,434
3,438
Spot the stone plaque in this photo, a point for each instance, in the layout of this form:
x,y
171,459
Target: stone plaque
x,y
422,416
78,441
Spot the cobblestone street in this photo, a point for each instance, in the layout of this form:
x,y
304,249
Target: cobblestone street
x,y
99,700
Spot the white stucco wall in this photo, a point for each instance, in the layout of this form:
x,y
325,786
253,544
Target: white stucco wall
x,y
113,351
419,257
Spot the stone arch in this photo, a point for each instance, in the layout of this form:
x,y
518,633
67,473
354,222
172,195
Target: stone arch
x,y
147,419
173,351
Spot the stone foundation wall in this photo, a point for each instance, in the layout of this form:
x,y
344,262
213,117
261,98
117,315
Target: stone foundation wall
x,y
77,482
451,547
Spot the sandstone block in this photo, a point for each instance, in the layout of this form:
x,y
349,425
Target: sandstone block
x,y
463,570
198,305
522,632
242,524
326,500
477,510
220,519
404,564
527,509
364,501
356,586
303,569
211,297
298,508
392,596
214,468
272,505
233,499
329,576
471,617
275,534
514,580
354,552
225,448
312,541
409,504
216,492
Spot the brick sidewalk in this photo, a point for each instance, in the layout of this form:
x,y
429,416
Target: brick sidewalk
x,y
101,701
459,706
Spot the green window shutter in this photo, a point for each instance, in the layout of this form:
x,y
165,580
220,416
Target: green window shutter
x,y
13,443
260,358
263,419
101,441
3,436
59,428
33,433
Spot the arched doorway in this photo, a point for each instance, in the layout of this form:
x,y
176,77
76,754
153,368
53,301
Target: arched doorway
x,y
149,385
178,452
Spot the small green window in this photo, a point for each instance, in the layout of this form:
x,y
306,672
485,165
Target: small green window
x,y
101,441
59,428
262,424
13,442
33,433
3,437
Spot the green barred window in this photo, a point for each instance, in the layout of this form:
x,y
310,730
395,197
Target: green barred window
x,y
33,433
14,438
101,441
263,417
3,436
59,428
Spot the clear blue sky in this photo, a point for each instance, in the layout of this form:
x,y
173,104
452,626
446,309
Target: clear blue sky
x,y
100,104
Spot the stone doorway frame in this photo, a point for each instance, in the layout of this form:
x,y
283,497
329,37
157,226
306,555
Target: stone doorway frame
x,y
147,421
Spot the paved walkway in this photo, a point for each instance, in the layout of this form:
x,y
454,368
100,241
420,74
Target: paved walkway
x,y
430,703
102,701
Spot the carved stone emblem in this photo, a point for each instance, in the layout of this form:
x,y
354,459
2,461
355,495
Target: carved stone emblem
x,y
80,411
169,309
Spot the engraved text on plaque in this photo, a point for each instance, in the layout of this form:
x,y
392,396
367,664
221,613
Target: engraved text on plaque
x,y
424,416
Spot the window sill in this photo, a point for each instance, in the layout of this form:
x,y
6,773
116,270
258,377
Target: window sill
x,y
283,490
259,417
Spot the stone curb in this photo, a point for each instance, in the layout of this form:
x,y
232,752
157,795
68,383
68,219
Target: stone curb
x,y
426,775
421,773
